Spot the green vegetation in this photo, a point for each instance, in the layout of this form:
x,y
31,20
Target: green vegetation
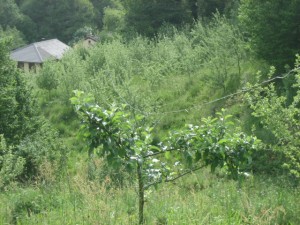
x,y
272,42
122,139
185,112
198,199
16,105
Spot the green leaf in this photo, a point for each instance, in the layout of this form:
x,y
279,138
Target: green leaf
x,y
155,148
222,141
167,155
198,156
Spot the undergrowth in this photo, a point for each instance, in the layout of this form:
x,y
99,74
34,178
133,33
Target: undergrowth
x,y
201,198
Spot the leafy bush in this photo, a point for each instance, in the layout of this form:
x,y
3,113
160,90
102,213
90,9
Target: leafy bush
x,y
26,203
42,146
17,111
281,120
47,78
11,165
30,140
222,56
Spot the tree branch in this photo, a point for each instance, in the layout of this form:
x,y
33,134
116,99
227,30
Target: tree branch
x,y
175,178
161,152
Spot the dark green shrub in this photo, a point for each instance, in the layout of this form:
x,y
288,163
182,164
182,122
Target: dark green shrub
x,y
44,145
11,165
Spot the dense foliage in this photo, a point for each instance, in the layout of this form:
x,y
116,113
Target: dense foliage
x,y
26,139
16,105
273,29
159,68
280,120
63,19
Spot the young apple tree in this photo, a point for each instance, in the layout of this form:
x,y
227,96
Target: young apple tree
x,y
124,139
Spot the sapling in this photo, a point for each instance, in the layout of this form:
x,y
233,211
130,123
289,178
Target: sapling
x,y
125,139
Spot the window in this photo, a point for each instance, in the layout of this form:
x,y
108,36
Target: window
x,y
20,65
32,67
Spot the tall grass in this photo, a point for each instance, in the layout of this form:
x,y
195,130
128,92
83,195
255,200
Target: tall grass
x,y
201,198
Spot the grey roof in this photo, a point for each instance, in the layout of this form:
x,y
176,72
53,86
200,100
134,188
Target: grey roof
x,y
93,37
39,52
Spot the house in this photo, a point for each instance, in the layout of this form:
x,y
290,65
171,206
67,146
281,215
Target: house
x,y
31,57
89,40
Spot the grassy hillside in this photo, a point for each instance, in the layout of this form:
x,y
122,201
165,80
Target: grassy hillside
x,y
174,79
171,79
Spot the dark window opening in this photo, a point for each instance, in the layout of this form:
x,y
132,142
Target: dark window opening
x,y
31,66
20,65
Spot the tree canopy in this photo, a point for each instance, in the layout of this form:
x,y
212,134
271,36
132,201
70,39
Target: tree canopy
x,y
16,109
58,19
273,29
61,19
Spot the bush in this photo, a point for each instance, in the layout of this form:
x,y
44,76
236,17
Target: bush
x,y
281,120
39,148
25,204
11,165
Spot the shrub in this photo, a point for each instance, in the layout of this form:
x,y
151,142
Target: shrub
x,y
280,120
11,165
40,147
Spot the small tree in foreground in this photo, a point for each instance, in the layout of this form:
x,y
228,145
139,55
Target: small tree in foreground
x,y
124,139
280,119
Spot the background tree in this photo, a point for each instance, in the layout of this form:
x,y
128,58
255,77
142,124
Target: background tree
x,y
13,34
205,9
58,19
99,6
16,109
28,140
113,21
146,17
11,16
273,29
81,34
47,78
223,56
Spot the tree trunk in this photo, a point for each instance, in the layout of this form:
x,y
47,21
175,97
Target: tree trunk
x,y
91,164
141,193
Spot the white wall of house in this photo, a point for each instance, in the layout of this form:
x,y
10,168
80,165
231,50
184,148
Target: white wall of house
x,y
88,42
29,67
26,67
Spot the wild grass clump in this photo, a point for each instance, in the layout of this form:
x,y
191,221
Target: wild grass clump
x,y
201,198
